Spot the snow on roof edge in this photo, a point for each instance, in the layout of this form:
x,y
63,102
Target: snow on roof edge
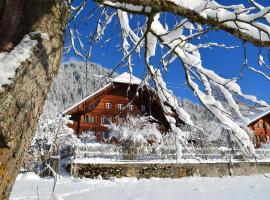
x,y
256,116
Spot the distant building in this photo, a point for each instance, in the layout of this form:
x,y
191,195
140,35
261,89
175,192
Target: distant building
x,y
112,103
260,124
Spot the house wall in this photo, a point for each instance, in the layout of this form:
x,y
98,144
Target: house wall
x,y
95,108
261,128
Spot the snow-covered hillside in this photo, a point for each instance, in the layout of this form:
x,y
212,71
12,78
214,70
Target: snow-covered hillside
x,y
73,83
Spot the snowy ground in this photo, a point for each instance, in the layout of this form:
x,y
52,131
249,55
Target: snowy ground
x,y
190,188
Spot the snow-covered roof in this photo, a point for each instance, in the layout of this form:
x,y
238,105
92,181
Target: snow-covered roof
x,y
122,78
254,117
127,78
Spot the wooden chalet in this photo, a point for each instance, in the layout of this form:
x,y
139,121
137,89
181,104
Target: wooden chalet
x,y
260,124
112,103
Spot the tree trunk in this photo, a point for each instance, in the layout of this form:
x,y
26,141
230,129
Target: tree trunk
x,y
21,102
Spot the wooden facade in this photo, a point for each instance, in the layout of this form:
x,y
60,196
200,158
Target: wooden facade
x,y
113,103
261,127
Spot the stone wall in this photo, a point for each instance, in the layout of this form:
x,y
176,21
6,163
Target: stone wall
x,y
165,170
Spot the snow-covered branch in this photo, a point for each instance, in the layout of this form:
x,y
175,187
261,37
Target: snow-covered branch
x,y
242,22
10,61
260,72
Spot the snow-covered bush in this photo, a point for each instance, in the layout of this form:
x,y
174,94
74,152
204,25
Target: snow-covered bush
x,y
167,148
136,133
266,145
53,131
52,137
87,137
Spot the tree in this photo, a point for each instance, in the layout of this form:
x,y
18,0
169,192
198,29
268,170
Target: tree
x,y
31,41
22,97
52,137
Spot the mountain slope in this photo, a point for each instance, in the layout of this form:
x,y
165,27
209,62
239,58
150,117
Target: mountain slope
x,y
73,84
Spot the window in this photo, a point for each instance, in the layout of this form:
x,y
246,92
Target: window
x,y
143,108
106,120
86,118
102,120
130,107
92,119
89,119
120,106
108,106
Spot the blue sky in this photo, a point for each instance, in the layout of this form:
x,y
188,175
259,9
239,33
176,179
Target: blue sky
x,y
225,62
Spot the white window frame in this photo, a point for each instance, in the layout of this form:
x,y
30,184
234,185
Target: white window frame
x,y
130,107
89,119
120,106
103,119
108,106
86,118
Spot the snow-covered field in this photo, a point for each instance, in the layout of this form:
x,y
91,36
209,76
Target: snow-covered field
x,y
29,186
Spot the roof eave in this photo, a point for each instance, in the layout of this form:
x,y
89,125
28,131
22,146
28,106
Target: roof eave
x,y
256,118
85,99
